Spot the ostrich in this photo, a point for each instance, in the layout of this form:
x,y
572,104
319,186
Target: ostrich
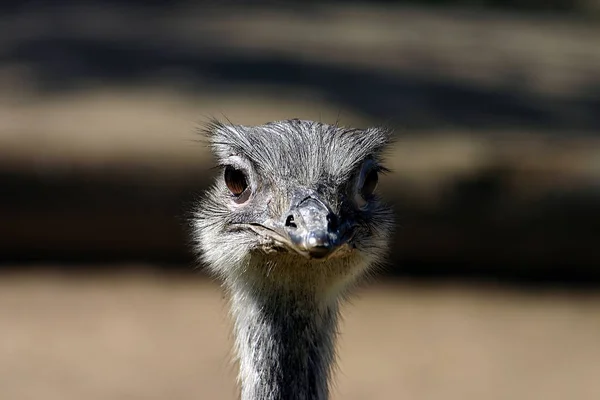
x,y
290,225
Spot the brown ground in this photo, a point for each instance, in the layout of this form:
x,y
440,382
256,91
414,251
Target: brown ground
x,y
143,336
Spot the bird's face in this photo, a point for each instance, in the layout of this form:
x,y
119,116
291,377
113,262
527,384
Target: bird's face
x,y
295,202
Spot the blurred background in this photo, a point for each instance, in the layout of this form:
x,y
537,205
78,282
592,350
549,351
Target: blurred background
x,y
493,286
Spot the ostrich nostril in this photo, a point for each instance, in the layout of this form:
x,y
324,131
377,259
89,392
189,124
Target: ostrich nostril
x,y
332,222
289,222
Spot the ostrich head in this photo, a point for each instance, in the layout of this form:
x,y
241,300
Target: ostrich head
x,y
295,207
292,221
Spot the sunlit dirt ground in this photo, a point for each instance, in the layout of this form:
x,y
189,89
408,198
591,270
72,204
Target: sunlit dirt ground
x,y
149,336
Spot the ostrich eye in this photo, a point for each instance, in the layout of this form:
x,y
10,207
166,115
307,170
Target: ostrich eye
x,y
369,184
237,183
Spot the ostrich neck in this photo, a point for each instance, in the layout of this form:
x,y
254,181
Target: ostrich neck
x,y
285,344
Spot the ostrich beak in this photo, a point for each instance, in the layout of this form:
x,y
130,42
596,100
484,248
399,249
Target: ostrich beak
x,y
313,229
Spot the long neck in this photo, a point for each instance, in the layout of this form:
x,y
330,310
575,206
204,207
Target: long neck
x,y
285,345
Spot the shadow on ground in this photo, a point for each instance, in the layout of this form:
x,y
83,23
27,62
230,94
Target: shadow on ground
x,y
413,101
